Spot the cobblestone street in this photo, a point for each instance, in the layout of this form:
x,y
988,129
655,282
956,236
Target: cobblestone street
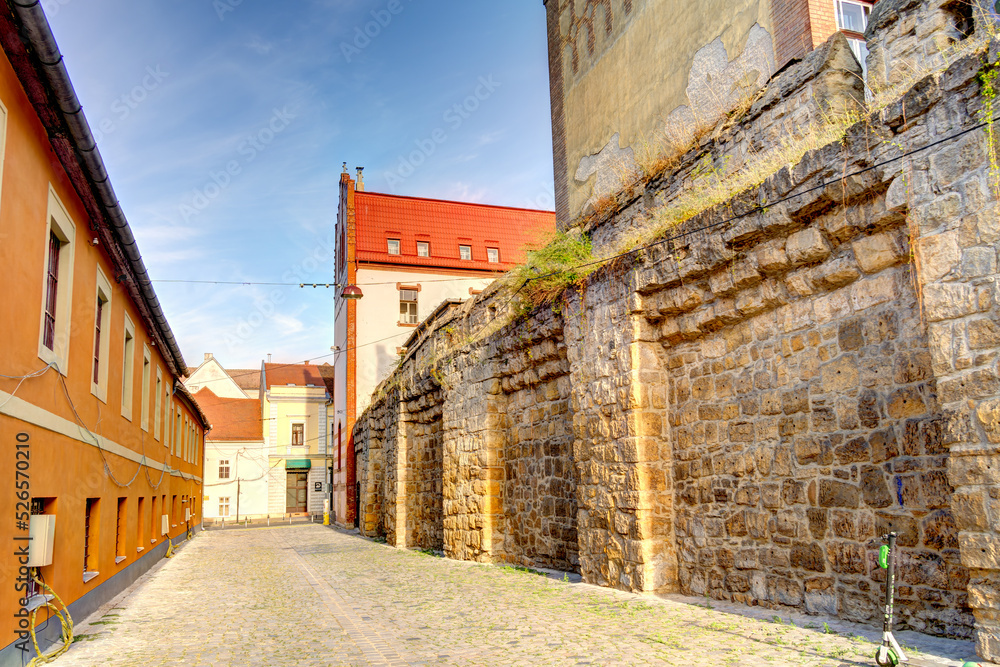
x,y
308,595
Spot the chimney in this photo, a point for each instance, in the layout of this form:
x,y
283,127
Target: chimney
x,y
345,167
360,187
208,355
268,357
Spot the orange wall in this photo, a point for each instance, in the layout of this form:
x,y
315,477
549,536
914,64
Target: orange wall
x,y
60,466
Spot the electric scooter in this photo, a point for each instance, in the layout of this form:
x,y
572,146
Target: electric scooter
x,y
890,653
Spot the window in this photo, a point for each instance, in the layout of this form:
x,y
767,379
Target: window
x,y
91,538
98,321
102,337
493,255
153,518
145,389
408,306
128,353
853,18
393,246
465,252
120,526
339,436
176,439
223,468
140,525
173,511
423,249
224,506
298,435
157,413
57,282
51,291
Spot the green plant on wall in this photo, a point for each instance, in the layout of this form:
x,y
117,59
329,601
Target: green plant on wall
x,y
988,91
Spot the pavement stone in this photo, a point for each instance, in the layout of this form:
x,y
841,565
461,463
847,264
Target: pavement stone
x,y
309,595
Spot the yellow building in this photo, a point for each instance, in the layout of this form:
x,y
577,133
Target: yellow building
x,y
295,408
102,443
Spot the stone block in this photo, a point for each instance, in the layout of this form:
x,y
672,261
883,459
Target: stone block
x,y
840,375
904,525
838,494
938,255
988,414
947,301
806,247
973,470
979,262
808,556
980,550
905,402
940,213
983,333
771,256
873,291
940,531
876,252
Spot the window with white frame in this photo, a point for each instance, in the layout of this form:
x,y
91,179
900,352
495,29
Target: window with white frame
x,y
102,337
852,18
408,306
128,376
393,246
158,407
493,255
145,389
298,435
465,252
224,506
57,285
223,468
423,249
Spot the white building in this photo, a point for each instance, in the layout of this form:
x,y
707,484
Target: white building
x,y
407,255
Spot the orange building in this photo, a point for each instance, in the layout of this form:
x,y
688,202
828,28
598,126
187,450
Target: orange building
x,y
102,444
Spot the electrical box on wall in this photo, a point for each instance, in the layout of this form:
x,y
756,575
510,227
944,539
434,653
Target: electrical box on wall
x,y
42,532
165,525
187,514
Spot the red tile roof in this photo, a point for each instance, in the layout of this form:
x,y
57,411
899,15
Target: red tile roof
x,y
297,374
231,418
248,379
445,225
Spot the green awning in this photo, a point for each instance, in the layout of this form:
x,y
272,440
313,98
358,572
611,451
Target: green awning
x,y
298,464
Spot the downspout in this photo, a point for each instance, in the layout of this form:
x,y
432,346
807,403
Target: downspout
x,y
36,29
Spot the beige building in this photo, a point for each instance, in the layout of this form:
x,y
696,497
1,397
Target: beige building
x,y
295,409
632,79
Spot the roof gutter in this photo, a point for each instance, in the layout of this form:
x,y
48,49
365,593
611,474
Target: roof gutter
x,y
48,62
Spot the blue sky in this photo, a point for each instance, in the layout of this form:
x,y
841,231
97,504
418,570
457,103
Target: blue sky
x,y
224,125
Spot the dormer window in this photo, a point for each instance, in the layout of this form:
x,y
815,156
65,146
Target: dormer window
x,y
393,245
423,249
465,252
493,255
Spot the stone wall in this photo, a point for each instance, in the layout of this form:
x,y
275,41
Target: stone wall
x,y
743,409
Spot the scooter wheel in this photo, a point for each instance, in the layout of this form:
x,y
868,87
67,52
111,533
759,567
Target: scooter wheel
x,y
892,661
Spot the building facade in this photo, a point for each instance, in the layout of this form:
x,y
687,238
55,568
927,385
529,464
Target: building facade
x,y
236,462
103,443
295,408
408,255
676,71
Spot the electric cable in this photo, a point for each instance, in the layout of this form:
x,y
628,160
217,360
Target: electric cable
x,y
65,621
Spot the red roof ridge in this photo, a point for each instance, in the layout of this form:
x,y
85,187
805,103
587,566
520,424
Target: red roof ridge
x,y
452,201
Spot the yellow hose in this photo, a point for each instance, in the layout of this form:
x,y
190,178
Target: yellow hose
x,y
65,620
170,548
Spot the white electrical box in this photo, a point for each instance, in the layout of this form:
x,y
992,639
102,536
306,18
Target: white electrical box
x,y
165,525
187,514
42,531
